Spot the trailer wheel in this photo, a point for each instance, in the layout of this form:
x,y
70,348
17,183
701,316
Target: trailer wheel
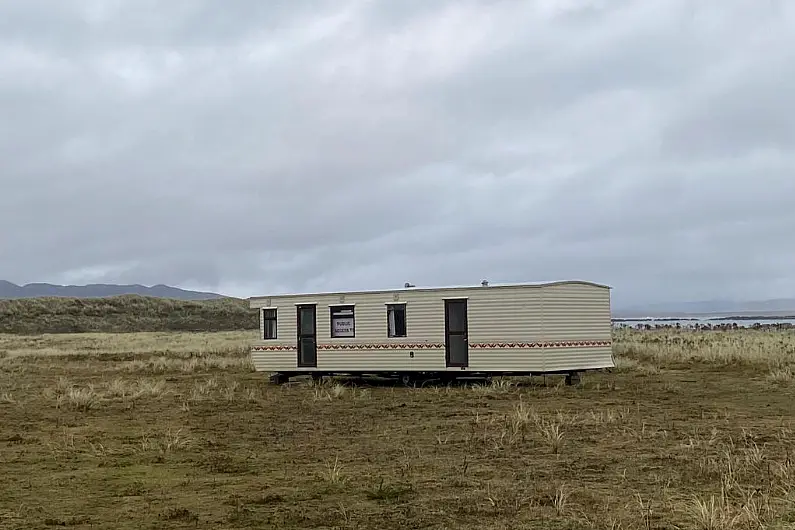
x,y
447,379
573,378
407,379
279,379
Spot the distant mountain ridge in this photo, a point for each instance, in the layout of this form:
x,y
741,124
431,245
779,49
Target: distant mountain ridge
x,y
12,291
772,307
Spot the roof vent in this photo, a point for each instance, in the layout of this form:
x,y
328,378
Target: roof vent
x,y
408,285
484,283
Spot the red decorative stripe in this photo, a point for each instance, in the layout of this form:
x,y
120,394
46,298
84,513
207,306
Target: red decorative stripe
x,y
564,344
273,348
440,346
381,346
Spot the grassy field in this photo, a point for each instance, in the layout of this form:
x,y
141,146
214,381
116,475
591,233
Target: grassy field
x,y
693,430
123,314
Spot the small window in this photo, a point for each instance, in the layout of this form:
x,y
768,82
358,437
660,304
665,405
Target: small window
x,y
396,320
342,321
268,324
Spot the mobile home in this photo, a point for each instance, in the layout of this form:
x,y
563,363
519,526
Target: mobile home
x,y
447,332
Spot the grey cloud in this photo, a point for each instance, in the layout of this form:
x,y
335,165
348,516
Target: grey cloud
x,y
270,147
755,114
87,26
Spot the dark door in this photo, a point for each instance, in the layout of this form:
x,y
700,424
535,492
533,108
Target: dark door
x,y
307,336
456,343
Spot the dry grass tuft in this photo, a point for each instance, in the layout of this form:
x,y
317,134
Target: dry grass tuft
x,y
552,433
334,472
200,364
328,390
167,441
785,374
496,386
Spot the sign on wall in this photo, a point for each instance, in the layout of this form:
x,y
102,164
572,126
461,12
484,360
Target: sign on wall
x,y
343,327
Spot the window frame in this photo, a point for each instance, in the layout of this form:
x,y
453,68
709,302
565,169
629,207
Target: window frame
x,y
275,318
332,317
390,307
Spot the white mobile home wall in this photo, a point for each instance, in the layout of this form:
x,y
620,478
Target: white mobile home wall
x,y
528,328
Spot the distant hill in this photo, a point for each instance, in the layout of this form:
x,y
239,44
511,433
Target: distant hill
x,y
126,313
12,291
773,307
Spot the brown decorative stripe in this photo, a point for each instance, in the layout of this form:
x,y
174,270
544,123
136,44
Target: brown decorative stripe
x,y
440,346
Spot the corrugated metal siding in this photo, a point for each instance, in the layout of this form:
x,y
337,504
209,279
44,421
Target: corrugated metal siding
x,y
424,320
526,316
557,359
514,316
274,361
576,312
507,359
425,359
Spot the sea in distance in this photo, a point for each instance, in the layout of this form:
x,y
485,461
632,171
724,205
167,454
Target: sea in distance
x,y
706,321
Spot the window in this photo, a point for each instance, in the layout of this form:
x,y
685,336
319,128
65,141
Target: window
x,y
342,321
396,320
268,324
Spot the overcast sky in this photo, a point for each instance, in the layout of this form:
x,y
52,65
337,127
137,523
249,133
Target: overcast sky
x,y
255,147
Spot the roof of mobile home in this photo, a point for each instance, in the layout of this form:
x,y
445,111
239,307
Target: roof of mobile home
x,y
427,289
